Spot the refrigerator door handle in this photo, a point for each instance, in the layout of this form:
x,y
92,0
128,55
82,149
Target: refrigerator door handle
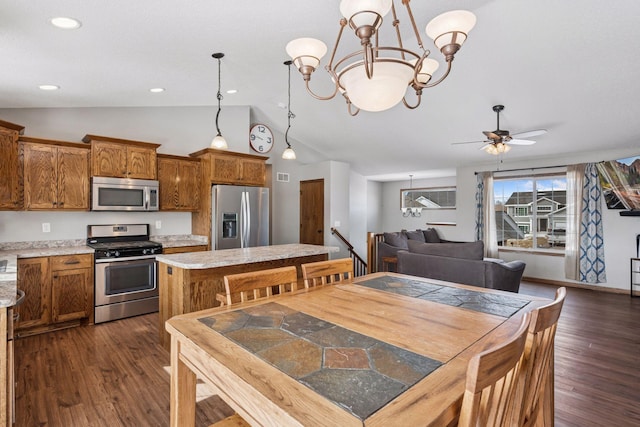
x,y
244,220
247,219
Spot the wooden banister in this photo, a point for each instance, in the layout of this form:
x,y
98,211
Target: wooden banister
x,y
372,250
359,265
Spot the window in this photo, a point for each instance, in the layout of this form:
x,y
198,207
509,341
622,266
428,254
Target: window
x,y
428,198
531,211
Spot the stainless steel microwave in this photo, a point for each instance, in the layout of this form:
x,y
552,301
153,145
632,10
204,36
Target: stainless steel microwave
x,y
123,194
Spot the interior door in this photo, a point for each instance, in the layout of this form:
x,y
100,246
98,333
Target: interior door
x,y
312,212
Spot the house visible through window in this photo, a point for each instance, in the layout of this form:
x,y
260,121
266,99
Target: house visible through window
x,y
531,211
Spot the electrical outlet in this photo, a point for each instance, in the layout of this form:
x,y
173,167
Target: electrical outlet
x,y
336,224
46,227
158,225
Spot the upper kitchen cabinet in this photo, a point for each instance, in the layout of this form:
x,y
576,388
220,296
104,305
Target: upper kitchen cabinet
x,y
122,158
56,174
226,167
179,179
10,170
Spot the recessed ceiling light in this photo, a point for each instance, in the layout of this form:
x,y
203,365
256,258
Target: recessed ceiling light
x,y
49,87
65,23
232,91
156,89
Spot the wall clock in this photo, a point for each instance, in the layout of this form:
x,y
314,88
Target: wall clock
x,y
261,138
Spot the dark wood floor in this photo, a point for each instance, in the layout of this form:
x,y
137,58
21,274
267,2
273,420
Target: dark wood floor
x,y
113,374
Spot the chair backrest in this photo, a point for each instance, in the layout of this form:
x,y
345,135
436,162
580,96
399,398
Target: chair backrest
x,y
538,355
492,383
260,284
324,272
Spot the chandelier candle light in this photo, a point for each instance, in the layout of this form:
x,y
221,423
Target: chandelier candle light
x,y
218,141
376,78
288,153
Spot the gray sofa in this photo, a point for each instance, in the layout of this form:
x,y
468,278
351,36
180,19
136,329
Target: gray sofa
x,y
459,262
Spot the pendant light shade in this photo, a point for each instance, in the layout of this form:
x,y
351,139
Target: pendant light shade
x,y
218,142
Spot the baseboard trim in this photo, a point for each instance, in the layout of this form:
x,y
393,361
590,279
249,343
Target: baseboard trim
x,y
575,285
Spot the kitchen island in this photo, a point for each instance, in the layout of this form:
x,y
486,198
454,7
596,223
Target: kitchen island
x,y
8,299
190,281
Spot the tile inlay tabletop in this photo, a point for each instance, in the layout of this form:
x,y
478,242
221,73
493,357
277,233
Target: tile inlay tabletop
x,y
497,304
359,373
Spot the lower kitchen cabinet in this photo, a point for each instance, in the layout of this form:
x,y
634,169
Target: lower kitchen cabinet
x,y
59,289
184,249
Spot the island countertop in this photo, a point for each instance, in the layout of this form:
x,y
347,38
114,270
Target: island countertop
x,y
8,274
228,257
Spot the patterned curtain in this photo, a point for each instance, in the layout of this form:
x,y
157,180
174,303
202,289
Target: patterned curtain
x,y
479,203
584,251
486,214
591,237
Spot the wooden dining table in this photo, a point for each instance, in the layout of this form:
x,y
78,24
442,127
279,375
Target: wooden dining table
x,y
384,349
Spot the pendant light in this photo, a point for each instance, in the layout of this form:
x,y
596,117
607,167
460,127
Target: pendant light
x,y
218,141
288,153
411,211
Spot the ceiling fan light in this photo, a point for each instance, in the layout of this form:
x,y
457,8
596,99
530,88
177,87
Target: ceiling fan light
x,y
364,12
451,27
219,143
306,51
383,90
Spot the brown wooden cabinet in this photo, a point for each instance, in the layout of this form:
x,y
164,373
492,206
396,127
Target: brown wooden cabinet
x,y
224,167
179,179
71,287
122,158
10,170
184,249
56,174
58,289
34,279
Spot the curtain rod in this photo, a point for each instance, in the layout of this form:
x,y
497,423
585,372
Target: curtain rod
x,y
526,169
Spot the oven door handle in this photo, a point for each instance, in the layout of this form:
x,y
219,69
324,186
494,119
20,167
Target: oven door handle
x,y
131,258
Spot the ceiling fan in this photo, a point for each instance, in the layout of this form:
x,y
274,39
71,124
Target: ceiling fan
x,y
500,141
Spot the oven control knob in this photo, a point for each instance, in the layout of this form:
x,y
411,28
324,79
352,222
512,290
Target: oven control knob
x,y
145,251
116,254
107,254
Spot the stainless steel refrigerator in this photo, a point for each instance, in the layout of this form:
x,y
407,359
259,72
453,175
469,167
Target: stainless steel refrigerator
x,y
240,216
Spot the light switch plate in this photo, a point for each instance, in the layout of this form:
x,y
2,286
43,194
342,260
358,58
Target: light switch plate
x,y
158,225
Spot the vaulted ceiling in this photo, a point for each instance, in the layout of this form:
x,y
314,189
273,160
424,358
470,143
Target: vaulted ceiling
x,y
567,66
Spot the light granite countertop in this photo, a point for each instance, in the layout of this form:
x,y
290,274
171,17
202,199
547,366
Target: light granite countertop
x,y
180,240
8,278
226,257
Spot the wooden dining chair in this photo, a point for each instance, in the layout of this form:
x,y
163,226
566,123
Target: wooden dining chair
x,y
324,272
538,360
492,383
259,284
234,420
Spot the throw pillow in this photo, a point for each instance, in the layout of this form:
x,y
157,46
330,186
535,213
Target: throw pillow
x,y
417,235
396,239
467,250
431,236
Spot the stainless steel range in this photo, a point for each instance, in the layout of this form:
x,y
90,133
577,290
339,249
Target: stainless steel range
x,y
126,271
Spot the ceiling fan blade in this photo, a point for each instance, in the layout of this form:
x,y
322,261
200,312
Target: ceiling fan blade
x,y
529,134
521,142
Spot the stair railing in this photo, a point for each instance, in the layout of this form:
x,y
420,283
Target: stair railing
x,y
359,265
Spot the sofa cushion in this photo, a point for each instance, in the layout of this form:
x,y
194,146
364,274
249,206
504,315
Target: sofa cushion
x,y
431,235
467,250
396,239
416,235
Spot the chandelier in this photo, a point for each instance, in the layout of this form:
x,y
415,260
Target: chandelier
x,y
376,78
218,141
411,211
